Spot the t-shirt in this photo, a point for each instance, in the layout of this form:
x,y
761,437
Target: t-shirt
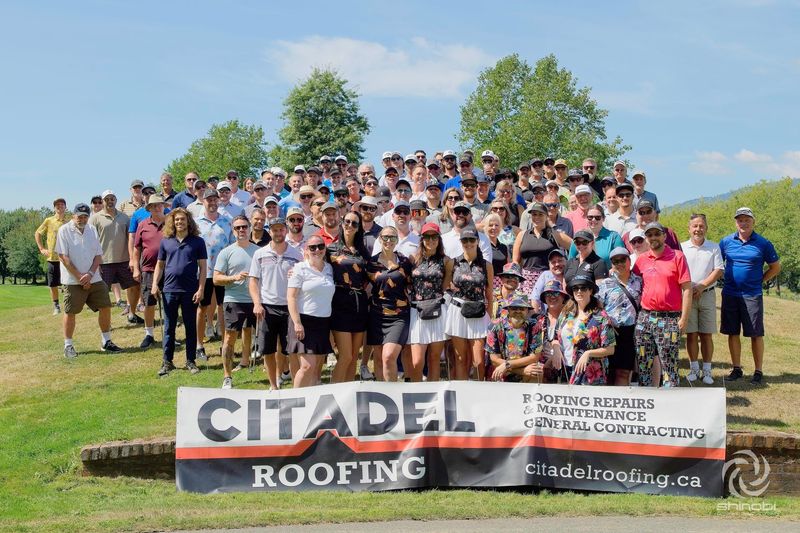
x,y
606,241
148,238
112,230
316,289
181,262
272,271
231,261
662,278
744,263
49,228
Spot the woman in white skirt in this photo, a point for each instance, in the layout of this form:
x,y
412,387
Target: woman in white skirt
x,y
429,279
467,318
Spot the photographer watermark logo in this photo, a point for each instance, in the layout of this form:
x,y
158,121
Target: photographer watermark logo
x,y
737,484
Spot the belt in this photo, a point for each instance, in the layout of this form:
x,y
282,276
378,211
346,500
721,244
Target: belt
x,y
662,313
350,288
709,289
458,302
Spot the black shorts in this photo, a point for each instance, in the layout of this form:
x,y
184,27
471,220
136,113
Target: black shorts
x,y
624,356
147,286
351,310
742,313
53,273
117,273
210,289
387,329
274,328
317,339
238,315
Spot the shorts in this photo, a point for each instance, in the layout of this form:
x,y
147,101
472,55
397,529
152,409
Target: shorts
x,y
351,310
117,273
238,315
384,329
95,298
210,289
745,313
147,286
274,328
317,339
53,273
703,313
624,356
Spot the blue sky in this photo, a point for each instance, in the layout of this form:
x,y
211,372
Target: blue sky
x,y
95,94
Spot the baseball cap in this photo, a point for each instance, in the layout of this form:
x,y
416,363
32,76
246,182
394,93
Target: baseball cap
x,y
486,154
213,179
276,221
607,179
327,205
299,168
325,158
744,211
148,188
314,169
384,193
410,157
557,251
625,187
582,280
559,162
107,192
524,164
448,153
324,186
335,171
619,250
584,234
468,233
467,179
137,183
548,160
537,207
464,159
537,187
257,185
278,171
583,189
635,233
430,226
434,163
552,183
294,211
619,163
82,209
386,155
535,160
481,177
576,173
432,183
366,200
340,158
654,225
461,205
402,203
638,172
402,181
225,184
391,169
210,193
645,204
418,204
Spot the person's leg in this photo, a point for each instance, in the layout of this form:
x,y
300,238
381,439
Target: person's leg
x,y
357,340
294,364
389,354
405,359
463,358
200,322
644,349
692,346
435,360
69,326
247,339
188,312
228,347
117,292
757,344
171,303
54,294
707,347
374,352
307,374
735,347
104,321
272,370
132,293
478,358
417,363
149,317
344,349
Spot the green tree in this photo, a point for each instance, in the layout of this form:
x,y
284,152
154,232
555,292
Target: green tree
x,y
19,255
520,112
228,146
322,116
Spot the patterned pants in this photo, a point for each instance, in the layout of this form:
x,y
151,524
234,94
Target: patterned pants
x,y
657,335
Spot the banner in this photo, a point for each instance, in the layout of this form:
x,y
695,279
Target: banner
x,y
385,436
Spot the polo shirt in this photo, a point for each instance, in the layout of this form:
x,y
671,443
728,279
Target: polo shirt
x,y
168,197
181,262
451,241
327,238
49,228
240,198
454,182
406,246
606,241
139,215
578,219
702,260
272,271
81,248
217,234
620,223
671,240
183,199
316,289
231,210
128,207
148,237
112,230
662,277
285,203
646,195
231,261
744,263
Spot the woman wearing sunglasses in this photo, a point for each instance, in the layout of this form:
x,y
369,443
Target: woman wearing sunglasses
x,y
309,294
444,219
586,262
505,191
387,327
430,278
349,259
605,239
508,231
532,247
587,337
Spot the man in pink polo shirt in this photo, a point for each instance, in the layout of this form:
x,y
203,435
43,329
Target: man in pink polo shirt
x,y
583,195
666,303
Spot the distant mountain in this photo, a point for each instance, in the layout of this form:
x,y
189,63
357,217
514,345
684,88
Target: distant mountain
x,y
713,199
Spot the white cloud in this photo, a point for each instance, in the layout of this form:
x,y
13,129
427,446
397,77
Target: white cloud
x,y
710,163
421,68
771,167
747,156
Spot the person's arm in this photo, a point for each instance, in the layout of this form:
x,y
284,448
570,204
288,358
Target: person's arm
x,y
201,285
709,281
157,273
133,264
562,238
448,274
294,313
488,291
773,270
37,235
516,255
686,305
136,257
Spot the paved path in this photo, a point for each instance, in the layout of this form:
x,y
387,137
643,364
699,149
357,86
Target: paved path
x,y
611,524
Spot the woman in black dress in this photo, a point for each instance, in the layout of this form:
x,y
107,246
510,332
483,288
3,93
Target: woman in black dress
x,y
349,260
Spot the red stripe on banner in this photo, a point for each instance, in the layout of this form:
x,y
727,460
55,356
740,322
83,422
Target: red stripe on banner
x,y
538,441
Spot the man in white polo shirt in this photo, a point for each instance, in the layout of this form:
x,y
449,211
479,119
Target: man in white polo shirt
x,y
705,267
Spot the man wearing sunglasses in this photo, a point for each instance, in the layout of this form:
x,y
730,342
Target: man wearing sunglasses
x,y
435,170
368,208
583,195
187,196
402,193
408,241
462,218
639,194
326,163
450,169
623,219
645,214
331,228
469,185
295,220
239,196
589,168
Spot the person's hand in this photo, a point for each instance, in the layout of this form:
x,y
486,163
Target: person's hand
x,y
299,332
241,276
499,372
198,296
258,311
533,370
697,290
580,366
44,252
682,323
555,361
154,290
137,274
86,280
132,266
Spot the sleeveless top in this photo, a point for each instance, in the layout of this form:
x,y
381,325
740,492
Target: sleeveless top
x,y
534,250
469,279
427,278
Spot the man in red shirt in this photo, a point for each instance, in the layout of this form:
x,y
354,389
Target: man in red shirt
x,y
666,302
146,243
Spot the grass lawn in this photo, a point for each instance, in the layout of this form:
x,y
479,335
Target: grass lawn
x,y
50,407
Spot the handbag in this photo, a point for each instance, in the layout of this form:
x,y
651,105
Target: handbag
x,y
429,309
470,309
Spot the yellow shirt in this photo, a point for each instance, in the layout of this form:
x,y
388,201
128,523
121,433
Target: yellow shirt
x,y
49,229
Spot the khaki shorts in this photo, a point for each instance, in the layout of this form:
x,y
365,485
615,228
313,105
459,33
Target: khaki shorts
x,y
95,298
703,314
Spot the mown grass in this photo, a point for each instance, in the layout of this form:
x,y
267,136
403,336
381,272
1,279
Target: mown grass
x,y
50,407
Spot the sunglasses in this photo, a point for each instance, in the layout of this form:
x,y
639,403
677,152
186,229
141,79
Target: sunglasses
x,y
616,261
402,211
550,295
453,198
576,178
418,212
371,184
296,220
588,167
389,238
315,247
397,159
594,217
559,167
469,240
404,191
645,211
487,161
582,288
469,186
430,237
624,194
462,212
551,205
383,201
498,210
637,240
581,243
99,202
340,195
449,158
349,222
537,165
368,208
306,196
318,204
239,228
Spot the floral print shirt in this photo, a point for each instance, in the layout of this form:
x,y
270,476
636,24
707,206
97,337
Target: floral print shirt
x,y
616,303
578,336
427,278
510,343
390,287
469,279
217,234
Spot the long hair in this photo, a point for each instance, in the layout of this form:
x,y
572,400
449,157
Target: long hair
x,y
169,223
437,254
358,238
571,306
445,214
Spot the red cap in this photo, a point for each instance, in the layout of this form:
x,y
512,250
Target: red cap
x,y
430,226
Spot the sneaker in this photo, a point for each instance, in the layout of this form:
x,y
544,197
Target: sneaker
x,y
201,354
366,375
758,376
166,368
693,375
135,319
285,377
214,338
69,352
126,309
735,374
227,383
707,379
56,310
140,308
331,361
147,342
120,304
111,347
191,367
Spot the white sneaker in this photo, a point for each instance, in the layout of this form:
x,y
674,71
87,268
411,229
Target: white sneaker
x,y
56,310
707,379
227,383
693,375
366,375
285,377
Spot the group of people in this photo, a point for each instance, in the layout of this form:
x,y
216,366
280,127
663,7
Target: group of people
x,y
539,274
